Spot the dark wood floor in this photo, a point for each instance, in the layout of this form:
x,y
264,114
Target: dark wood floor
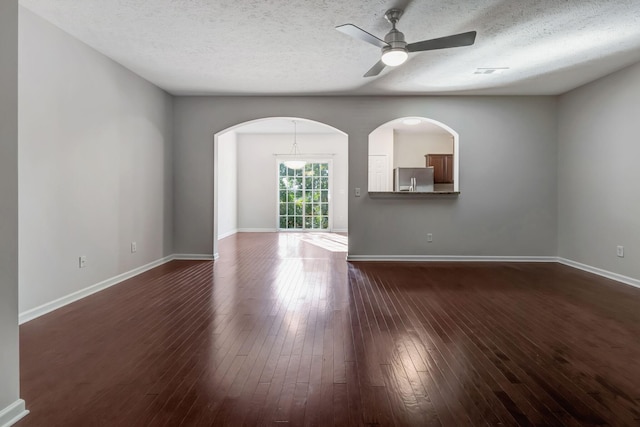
x,y
282,331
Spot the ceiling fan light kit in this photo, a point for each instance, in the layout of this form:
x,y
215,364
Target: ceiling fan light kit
x,y
395,50
394,57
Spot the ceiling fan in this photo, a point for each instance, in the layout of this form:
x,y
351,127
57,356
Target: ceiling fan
x,y
395,49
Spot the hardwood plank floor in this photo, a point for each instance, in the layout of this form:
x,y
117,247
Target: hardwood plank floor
x,y
281,330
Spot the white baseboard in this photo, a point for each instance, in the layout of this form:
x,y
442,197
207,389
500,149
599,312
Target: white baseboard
x,y
457,258
275,230
31,314
600,272
195,257
75,296
13,413
425,258
227,234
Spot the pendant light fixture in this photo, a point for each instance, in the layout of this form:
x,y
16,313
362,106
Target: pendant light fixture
x,y
295,160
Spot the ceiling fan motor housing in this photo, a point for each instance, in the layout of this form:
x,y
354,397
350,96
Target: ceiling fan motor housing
x,y
396,52
395,39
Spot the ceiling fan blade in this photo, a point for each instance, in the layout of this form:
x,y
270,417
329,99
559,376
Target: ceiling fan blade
x,y
360,34
376,69
457,40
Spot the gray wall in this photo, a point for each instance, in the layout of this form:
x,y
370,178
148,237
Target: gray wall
x,y
95,165
9,374
508,200
598,190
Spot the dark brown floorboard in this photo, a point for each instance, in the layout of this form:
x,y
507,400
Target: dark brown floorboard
x,y
281,330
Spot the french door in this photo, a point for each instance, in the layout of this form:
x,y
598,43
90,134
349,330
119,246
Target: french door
x,y
304,196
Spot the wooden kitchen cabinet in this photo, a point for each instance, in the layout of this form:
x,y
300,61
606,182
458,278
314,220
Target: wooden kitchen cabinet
x,y
442,167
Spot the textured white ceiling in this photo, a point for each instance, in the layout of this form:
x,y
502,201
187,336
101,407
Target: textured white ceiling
x,y
290,47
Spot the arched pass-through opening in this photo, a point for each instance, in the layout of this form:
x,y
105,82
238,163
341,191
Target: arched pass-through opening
x,y
414,143
248,166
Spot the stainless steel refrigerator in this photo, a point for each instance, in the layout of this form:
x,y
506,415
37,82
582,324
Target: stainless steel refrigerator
x,y
413,179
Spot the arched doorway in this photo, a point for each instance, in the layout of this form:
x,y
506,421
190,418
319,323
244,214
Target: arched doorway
x,y
248,177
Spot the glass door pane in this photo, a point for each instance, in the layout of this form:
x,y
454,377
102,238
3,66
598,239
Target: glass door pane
x,y
303,197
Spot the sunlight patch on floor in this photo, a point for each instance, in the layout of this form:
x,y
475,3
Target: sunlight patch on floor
x,y
329,241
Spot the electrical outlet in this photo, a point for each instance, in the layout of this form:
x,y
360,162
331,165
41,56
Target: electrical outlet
x,y
620,251
82,261
357,192
134,247
429,237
